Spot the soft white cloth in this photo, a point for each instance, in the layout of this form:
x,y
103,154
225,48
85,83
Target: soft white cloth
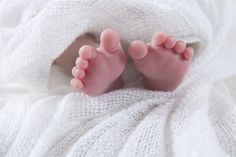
x,y
41,116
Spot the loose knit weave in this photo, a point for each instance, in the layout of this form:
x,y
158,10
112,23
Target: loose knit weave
x,y
41,116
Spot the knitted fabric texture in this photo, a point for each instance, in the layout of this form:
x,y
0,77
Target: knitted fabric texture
x,y
41,116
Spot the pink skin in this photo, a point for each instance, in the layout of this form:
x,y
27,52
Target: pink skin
x,y
98,70
163,62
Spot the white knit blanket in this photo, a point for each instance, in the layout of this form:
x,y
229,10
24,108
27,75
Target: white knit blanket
x,y
41,116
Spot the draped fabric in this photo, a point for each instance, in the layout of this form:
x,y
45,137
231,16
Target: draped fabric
x,y
41,116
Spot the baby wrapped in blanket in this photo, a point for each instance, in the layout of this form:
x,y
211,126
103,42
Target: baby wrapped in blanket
x,y
154,32
126,122
163,60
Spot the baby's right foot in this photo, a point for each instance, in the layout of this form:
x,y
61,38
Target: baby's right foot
x,y
98,70
163,63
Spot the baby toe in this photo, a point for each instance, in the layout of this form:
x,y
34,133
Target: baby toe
x,y
158,39
170,42
188,53
180,47
81,63
76,83
74,71
87,52
80,74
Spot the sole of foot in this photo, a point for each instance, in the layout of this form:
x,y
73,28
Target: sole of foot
x,y
163,62
98,70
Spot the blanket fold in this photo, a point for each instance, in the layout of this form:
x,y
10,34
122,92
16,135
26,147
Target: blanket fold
x,y
40,115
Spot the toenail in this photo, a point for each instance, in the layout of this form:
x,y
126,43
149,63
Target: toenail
x,y
115,47
80,74
180,47
76,84
85,52
110,41
158,38
72,82
81,63
77,60
79,84
74,71
170,42
188,53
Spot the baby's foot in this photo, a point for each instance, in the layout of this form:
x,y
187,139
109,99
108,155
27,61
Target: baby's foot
x,y
163,62
98,70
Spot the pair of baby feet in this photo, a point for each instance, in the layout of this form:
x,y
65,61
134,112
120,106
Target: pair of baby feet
x,y
163,63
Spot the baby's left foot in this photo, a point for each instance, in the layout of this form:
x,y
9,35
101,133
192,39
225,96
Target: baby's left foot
x,y
98,70
163,62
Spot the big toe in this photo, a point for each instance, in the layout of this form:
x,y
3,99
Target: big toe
x,y
110,41
137,50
